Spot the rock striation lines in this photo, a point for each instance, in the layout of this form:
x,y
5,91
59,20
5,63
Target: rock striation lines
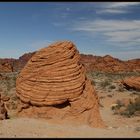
x,y
54,76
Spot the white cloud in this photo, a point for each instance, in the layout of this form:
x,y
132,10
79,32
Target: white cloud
x,y
122,4
124,34
112,11
113,30
116,7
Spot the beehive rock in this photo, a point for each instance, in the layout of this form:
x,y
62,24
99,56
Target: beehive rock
x,y
132,83
54,80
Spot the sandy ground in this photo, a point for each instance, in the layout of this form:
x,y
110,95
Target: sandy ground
x,y
25,127
118,126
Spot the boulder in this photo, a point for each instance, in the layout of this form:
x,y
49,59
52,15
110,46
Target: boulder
x,y
53,84
132,83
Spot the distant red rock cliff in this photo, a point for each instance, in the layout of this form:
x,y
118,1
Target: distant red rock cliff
x,y
13,65
92,63
109,64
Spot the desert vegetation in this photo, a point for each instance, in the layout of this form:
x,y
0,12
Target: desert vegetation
x,y
110,81
7,88
128,110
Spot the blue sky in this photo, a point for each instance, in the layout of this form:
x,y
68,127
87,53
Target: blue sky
x,y
97,28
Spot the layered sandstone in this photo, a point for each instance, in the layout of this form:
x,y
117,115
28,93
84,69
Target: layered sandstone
x,y
132,83
53,84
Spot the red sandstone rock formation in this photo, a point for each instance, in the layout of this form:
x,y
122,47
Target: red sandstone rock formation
x,y
133,65
5,65
132,83
53,84
23,60
14,65
109,64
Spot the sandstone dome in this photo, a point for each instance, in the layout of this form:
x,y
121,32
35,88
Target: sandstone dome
x,y
53,76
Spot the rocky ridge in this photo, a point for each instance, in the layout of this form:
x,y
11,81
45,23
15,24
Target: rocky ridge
x,y
92,63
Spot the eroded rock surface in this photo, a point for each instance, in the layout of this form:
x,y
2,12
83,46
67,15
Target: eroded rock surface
x,y
53,84
132,83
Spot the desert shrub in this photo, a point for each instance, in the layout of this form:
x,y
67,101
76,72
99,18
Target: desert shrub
x,y
135,93
96,73
11,105
109,96
14,77
104,84
14,81
120,103
8,85
117,106
14,98
114,108
9,81
112,87
5,92
102,97
121,89
130,109
137,129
